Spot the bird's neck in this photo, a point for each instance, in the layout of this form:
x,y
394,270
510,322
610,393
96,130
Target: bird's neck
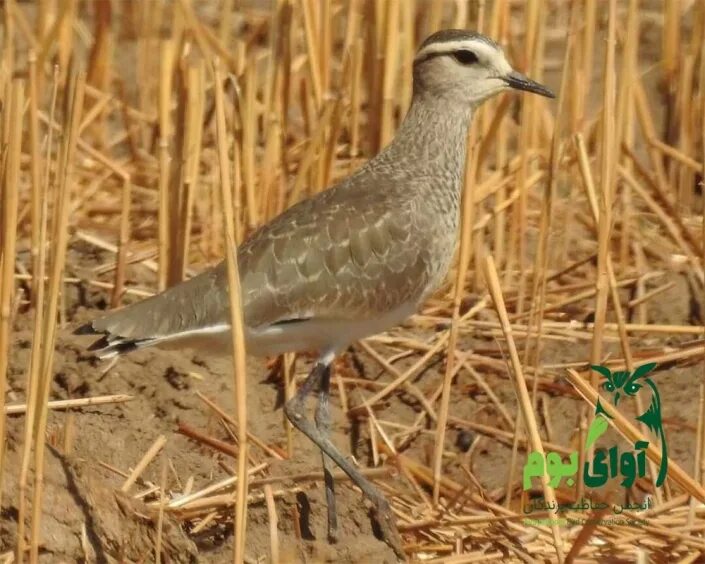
x,y
431,141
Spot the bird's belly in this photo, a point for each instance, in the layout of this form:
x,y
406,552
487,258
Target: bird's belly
x,y
314,334
443,257
216,341
320,334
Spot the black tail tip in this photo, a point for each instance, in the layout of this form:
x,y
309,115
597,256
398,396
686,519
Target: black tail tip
x,y
86,329
99,345
104,348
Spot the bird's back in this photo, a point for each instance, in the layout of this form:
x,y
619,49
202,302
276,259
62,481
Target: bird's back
x,y
354,252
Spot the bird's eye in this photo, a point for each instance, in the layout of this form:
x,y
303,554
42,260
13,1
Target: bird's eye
x,y
608,386
465,57
632,388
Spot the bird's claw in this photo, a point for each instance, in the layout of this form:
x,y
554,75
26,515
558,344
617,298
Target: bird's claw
x,y
388,528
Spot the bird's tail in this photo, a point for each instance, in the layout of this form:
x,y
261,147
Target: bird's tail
x,y
196,307
109,344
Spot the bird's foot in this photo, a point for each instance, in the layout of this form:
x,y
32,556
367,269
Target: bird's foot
x,y
330,499
385,519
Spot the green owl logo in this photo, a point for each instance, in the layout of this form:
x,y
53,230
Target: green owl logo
x,y
621,385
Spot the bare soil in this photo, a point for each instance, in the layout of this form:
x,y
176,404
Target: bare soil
x,y
86,516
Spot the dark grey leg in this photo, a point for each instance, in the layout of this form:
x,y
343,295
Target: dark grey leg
x,y
294,410
322,419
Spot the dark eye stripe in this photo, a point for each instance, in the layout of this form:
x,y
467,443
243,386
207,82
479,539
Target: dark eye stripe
x,y
465,57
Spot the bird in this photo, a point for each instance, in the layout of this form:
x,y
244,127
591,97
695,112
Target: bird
x,y
349,262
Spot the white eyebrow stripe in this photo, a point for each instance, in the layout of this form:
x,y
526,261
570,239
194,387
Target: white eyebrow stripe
x,y
481,48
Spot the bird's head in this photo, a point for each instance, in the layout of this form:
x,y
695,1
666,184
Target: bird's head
x,y
464,67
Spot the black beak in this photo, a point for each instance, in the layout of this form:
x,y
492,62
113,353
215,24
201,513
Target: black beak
x,y
520,82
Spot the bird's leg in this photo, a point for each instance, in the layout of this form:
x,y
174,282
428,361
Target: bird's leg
x,y
294,410
322,419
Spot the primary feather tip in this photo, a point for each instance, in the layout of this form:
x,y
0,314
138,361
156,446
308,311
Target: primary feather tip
x,y
107,346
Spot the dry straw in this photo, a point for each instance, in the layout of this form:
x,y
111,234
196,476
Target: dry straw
x,y
467,216
590,210
238,339
10,180
521,390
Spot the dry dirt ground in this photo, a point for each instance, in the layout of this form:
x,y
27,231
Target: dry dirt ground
x,y
86,514
86,517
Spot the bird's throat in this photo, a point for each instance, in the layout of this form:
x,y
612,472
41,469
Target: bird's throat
x,y
431,141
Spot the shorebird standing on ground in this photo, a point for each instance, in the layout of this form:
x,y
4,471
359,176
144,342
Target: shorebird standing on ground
x,y
349,262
